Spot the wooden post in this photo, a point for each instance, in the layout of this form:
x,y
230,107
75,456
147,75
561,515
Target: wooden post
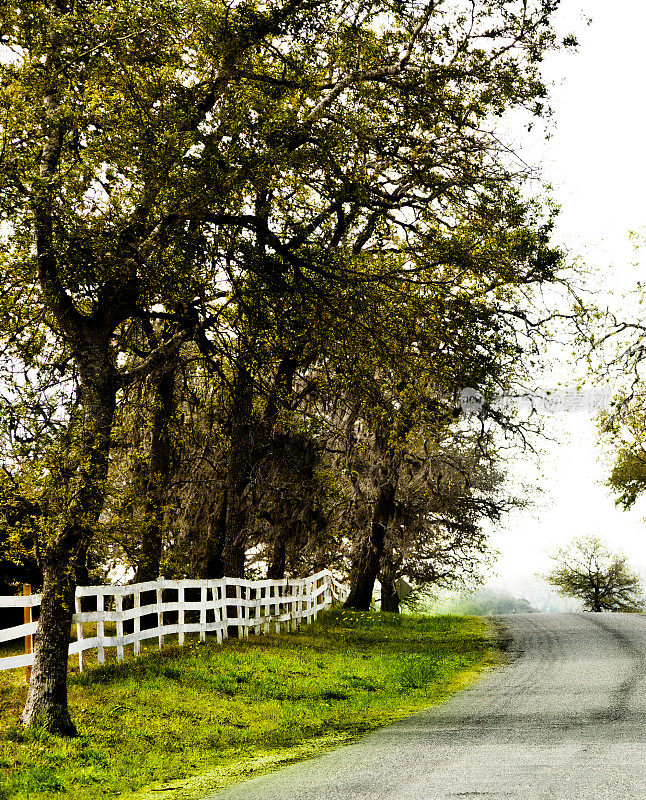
x,y
266,592
203,599
257,611
327,597
246,594
136,623
240,612
79,632
320,598
297,606
218,594
287,606
118,602
100,627
160,615
277,597
180,614
26,591
293,605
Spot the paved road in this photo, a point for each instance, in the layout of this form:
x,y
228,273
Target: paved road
x,y
565,720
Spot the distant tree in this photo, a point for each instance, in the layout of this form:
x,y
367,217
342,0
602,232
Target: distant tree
x,y
588,571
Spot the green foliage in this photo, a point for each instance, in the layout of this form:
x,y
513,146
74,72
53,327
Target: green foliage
x,y
310,179
398,237
226,189
625,431
628,475
164,717
602,580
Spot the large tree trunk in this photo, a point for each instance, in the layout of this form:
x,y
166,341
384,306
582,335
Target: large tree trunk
x,y
212,565
369,550
277,554
238,476
389,596
46,703
160,451
47,697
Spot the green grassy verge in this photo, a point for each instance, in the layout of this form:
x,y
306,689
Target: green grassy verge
x,y
204,715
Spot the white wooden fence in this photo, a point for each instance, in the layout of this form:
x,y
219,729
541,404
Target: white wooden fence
x,y
223,604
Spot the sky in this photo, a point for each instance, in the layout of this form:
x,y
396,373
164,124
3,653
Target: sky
x,y
595,160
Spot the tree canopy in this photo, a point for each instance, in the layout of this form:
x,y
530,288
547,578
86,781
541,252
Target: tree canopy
x,y
232,228
602,580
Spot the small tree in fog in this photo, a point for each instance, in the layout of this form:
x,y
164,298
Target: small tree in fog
x,y
588,571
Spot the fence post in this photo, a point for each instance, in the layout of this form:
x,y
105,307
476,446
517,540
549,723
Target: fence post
x,y
79,631
26,591
305,603
265,594
100,627
136,623
256,609
180,614
118,605
328,597
239,611
203,599
277,598
313,600
298,604
218,593
245,591
319,599
291,604
160,614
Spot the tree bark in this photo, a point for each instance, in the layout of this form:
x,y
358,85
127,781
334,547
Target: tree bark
x,y
277,556
369,551
46,703
47,696
389,596
89,340
160,451
212,564
238,475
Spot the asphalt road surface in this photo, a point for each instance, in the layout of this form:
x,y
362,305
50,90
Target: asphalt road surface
x,y
565,720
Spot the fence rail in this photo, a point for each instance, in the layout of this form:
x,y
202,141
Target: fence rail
x,y
181,607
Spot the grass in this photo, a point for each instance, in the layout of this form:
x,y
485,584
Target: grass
x,y
205,715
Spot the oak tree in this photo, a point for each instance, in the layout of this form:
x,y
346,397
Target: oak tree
x,y
602,580
166,166
98,123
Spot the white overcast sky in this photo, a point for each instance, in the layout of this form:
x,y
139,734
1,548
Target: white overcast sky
x,y
596,163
